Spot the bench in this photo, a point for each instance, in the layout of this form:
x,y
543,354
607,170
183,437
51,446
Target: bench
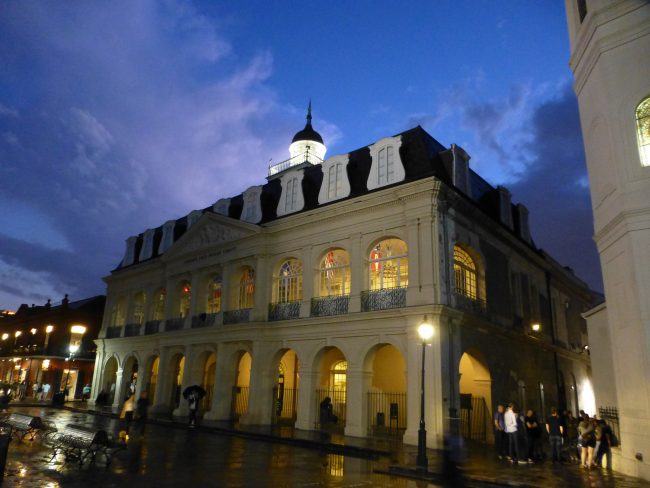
x,y
22,425
79,442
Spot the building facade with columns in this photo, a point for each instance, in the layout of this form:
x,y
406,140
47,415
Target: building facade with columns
x,y
312,286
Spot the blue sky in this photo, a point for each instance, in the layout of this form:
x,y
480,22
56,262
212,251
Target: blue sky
x,y
117,116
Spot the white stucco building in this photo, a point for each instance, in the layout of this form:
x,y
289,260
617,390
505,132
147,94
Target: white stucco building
x,y
312,285
610,42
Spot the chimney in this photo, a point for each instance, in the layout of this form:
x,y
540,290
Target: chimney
x,y
505,206
65,300
460,169
524,228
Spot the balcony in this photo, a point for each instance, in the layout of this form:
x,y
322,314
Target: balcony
x,y
113,331
205,320
152,327
240,316
132,330
284,311
174,324
324,306
468,304
383,299
304,158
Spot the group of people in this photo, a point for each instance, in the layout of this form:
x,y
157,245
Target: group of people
x,y
518,438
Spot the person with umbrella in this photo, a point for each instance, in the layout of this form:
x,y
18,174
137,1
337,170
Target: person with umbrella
x,y
193,395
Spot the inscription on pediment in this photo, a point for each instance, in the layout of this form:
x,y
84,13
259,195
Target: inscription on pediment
x,y
210,235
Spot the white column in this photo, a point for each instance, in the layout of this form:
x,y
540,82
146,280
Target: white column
x,y
307,281
263,279
357,265
224,380
262,379
160,401
186,380
306,409
98,374
356,418
117,397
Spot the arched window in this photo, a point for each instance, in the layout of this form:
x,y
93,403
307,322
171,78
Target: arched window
x,y
138,308
288,283
389,265
643,131
335,273
464,274
117,312
185,299
159,304
214,296
246,297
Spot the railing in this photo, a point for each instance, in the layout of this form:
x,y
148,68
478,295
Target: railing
x,y
131,330
386,409
284,403
473,418
113,331
240,316
239,401
205,320
284,311
472,305
323,306
610,416
383,299
306,157
174,324
151,327
339,406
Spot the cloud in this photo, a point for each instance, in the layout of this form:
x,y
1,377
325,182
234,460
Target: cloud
x,y
7,112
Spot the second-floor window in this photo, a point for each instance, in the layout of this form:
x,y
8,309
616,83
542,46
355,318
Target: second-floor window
x,y
246,297
138,308
159,304
185,299
388,265
335,273
464,273
214,296
288,283
117,312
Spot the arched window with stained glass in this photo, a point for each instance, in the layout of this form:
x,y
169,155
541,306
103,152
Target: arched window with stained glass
x,y
335,273
214,295
185,299
139,302
246,297
288,282
388,262
159,304
643,131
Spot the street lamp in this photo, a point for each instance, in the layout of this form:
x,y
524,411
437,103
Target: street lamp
x,y
48,330
73,349
425,331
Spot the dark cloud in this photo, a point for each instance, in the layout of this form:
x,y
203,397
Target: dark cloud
x,y
554,188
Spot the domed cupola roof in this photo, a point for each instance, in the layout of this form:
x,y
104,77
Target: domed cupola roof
x,y
308,133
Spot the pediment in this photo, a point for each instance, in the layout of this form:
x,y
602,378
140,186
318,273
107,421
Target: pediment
x,y
211,230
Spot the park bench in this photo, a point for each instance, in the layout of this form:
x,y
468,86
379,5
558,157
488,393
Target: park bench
x,y
22,425
79,443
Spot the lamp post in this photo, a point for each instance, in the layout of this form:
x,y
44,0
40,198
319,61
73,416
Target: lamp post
x,y
425,331
48,331
73,349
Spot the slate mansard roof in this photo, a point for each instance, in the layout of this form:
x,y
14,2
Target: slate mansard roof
x,y
422,157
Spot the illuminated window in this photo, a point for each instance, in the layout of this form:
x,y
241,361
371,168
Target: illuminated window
x,y
76,334
159,304
185,299
338,380
643,131
386,167
389,265
335,181
214,296
138,308
246,289
335,273
288,282
464,273
117,312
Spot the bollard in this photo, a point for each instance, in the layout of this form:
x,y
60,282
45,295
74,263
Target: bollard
x,y
5,439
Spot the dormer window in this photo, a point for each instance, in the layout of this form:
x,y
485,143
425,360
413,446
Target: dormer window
x,y
387,167
147,245
252,211
168,236
193,218
290,199
335,181
129,255
386,172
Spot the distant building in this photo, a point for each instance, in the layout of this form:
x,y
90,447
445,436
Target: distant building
x,y
313,286
51,344
610,42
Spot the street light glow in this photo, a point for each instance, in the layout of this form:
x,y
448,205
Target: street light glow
x,y
425,330
33,331
5,336
536,327
18,333
74,348
49,329
78,329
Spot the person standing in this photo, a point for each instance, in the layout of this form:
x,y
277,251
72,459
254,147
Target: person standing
x,y
603,443
193,400
141,410
510,421
588,441
127,412
46,391
532,434
555,431
500,432
572,436
34,390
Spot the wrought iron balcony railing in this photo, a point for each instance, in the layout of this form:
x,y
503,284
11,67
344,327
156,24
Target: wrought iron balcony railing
x,y
469,304
240,316
174,324
205,320
323,306
284,311
306,157
113,331
151,327
383,299
132,330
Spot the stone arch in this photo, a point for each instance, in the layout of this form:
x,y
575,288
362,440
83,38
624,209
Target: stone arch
x,y
150,376
475,387
241,389
175,370
285,364
130,373
109,378
387,261
385,387
332,274
330,365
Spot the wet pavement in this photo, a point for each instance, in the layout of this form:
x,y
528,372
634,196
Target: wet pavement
x,y
172,455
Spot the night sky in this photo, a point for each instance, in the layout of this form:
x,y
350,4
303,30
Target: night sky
x,y
117,116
